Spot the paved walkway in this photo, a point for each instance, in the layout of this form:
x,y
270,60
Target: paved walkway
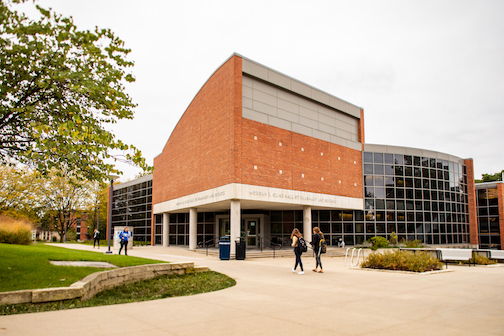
x,y
271,300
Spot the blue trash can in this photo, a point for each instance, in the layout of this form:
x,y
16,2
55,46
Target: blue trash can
x,y
224,248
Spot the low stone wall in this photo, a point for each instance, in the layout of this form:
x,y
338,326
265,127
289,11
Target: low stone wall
x,y
99,281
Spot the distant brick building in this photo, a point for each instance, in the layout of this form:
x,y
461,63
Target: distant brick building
x,y
258,153
490,204
77,224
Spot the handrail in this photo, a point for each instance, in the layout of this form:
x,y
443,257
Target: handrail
x,y
271,245
352,256
206,244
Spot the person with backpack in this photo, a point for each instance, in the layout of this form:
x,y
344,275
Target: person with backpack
x,y
124,236
96,238
319,246
299,245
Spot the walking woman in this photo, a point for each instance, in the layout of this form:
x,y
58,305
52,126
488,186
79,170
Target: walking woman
x,y
297,251
96,238
317,236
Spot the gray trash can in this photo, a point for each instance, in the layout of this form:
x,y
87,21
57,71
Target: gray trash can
x,y
224,248
240,249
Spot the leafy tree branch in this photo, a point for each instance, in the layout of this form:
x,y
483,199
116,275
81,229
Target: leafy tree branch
x,y
59,87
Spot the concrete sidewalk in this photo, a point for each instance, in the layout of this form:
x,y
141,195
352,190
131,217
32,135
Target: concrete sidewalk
x,y
269,299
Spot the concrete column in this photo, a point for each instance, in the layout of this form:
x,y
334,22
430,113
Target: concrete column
x,y
166,222
235,219
193,228
307,223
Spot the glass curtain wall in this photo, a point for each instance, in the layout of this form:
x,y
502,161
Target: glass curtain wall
x,y
132,206
416,197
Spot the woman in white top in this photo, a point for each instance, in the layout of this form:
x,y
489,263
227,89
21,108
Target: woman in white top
x,y
295,237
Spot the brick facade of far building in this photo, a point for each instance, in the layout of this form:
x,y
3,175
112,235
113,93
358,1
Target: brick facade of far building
x,y
490,214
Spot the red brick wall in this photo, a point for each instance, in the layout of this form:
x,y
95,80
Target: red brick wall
x,y
200,153
212,145
298,154
471,191
500,194
237,119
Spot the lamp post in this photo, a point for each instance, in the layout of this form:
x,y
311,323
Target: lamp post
x,y
109,222
97,227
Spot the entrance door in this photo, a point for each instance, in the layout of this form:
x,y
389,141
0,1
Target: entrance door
x,y
224,227
252,232
250,229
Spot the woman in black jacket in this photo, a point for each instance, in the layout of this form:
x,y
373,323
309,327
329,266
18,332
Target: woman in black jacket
x,y
317,236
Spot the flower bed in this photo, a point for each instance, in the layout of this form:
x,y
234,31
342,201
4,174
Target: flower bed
x,y
403,261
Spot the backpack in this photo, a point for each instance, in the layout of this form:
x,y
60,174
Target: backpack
x,y
302,245
323,245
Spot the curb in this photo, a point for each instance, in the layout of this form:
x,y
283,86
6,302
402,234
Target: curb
x,y
401,272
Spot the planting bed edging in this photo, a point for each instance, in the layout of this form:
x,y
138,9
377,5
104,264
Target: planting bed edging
x,y
97,282
401,272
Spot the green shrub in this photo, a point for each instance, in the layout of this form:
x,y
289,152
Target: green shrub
x,y
480,260
393,238
379,242
15,231
413,243
402,260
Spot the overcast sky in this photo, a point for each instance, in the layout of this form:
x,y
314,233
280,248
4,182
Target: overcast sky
x,y
429,74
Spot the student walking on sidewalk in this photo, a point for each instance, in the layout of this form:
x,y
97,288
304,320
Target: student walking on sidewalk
x,y
297,251
124,236
317,236
96,238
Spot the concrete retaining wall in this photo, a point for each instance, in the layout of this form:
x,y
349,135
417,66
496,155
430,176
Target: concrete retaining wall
x,y
99,281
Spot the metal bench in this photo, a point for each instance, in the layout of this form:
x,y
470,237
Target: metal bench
x,y
493,254
496,254
453,254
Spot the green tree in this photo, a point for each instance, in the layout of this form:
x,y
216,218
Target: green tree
x,y
64,201
20,189
53,202
59,87
491,177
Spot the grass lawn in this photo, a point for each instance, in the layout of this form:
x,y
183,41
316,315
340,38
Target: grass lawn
x,y
157,288
28,267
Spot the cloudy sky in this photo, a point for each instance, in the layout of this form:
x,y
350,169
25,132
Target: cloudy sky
x,y
429,74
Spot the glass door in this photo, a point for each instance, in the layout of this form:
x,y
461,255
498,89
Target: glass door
x,y
224,227
252,232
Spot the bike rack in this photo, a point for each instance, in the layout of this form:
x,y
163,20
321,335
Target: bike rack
x,y
352,256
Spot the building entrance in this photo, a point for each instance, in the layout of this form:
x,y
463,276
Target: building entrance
x,y
224,227
251,229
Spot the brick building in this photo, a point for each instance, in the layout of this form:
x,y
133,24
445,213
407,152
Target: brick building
x,y
258,153
490,205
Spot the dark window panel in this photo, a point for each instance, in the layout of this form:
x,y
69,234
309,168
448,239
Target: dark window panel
x,y
368,157
380,204
416,161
